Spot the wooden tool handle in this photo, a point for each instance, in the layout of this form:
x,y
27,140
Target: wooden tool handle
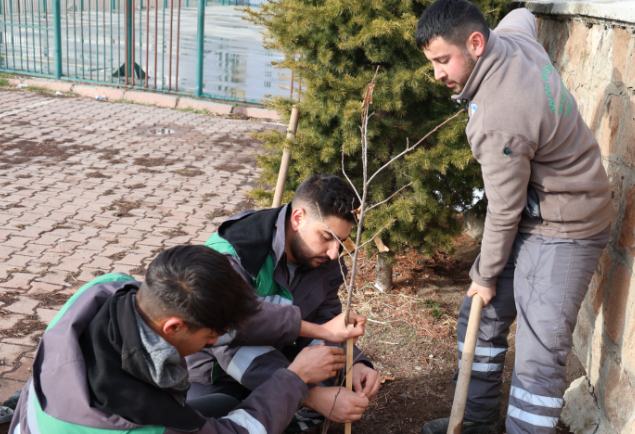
x,y
465,371
349,373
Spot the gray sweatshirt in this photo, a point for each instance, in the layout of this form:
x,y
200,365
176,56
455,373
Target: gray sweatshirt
x,y
525,130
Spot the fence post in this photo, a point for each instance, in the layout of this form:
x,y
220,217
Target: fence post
x,y
129,18
199,47
57,34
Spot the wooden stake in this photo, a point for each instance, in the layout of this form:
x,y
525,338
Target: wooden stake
x,y
465,371
349,373
286,159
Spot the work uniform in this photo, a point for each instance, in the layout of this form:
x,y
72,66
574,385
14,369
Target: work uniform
x,y
92,374
547,223
255,244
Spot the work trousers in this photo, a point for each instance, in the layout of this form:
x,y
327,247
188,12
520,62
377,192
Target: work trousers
x,y
543,285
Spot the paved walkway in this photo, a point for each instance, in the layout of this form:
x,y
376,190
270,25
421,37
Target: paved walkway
x,y
89,187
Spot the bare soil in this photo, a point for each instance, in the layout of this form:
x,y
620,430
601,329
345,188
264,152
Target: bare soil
x,y
411,338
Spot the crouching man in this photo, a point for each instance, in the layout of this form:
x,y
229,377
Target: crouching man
x,y
290,257
112,359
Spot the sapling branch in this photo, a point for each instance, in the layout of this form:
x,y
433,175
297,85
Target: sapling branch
x,y
363,209
390,197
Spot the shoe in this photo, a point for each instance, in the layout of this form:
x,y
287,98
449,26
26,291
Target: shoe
x,y
6,414
440,426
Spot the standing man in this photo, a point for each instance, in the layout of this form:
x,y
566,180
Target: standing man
x,y
548,215
290,256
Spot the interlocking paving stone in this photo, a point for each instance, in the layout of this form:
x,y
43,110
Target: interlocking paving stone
x,y
112,189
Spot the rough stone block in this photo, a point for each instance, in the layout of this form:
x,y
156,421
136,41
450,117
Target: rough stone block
x,y
581,413
619,54
619,398
148,98
615,313
627,233
597,290
610,125
627,137
212,107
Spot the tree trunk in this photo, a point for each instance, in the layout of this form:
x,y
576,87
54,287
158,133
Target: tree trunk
x,y
383,278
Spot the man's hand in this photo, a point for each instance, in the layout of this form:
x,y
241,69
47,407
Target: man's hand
x,y
335,331
349,406
486,292
318,363
366,380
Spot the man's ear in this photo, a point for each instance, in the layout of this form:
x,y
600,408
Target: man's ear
x,y
298,218
172,326
476,44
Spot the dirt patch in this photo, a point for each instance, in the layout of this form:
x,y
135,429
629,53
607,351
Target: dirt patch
x,y
228,167
8,298
157,250
123,207
134,186
97,174
117,256
245,205
216,213
173,233
108,154
25,327
189,172
146,170
23,151
139,270
208,196
51,299
153,162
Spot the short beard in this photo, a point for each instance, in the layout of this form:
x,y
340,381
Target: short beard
x,y
301,252
468,66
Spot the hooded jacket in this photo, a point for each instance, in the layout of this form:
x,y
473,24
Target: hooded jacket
x,y
527,134
57,399
254,241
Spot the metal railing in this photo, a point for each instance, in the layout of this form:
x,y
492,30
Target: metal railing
x,y
136,43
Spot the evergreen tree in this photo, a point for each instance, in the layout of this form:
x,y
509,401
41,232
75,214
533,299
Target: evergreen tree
x,y
334,47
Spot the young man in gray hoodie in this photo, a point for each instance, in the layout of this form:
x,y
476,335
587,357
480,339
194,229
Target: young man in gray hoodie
x,y
548,214
112,359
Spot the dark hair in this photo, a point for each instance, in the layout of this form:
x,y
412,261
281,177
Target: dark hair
x,y
198,285
331,194
453,20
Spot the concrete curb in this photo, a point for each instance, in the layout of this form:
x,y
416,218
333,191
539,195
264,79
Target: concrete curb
x,y
148,98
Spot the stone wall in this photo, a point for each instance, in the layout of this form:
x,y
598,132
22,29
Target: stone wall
x,y
592,45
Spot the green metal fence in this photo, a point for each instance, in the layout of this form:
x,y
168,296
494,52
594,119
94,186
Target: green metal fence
x,y
118,42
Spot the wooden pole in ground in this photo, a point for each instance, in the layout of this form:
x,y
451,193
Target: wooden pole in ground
x,y
465,370
286,158
349,373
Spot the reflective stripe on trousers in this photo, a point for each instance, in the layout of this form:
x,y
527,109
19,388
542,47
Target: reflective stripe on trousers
x,y
542,286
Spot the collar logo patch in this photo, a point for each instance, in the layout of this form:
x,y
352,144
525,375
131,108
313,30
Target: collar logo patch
x,y
473,108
